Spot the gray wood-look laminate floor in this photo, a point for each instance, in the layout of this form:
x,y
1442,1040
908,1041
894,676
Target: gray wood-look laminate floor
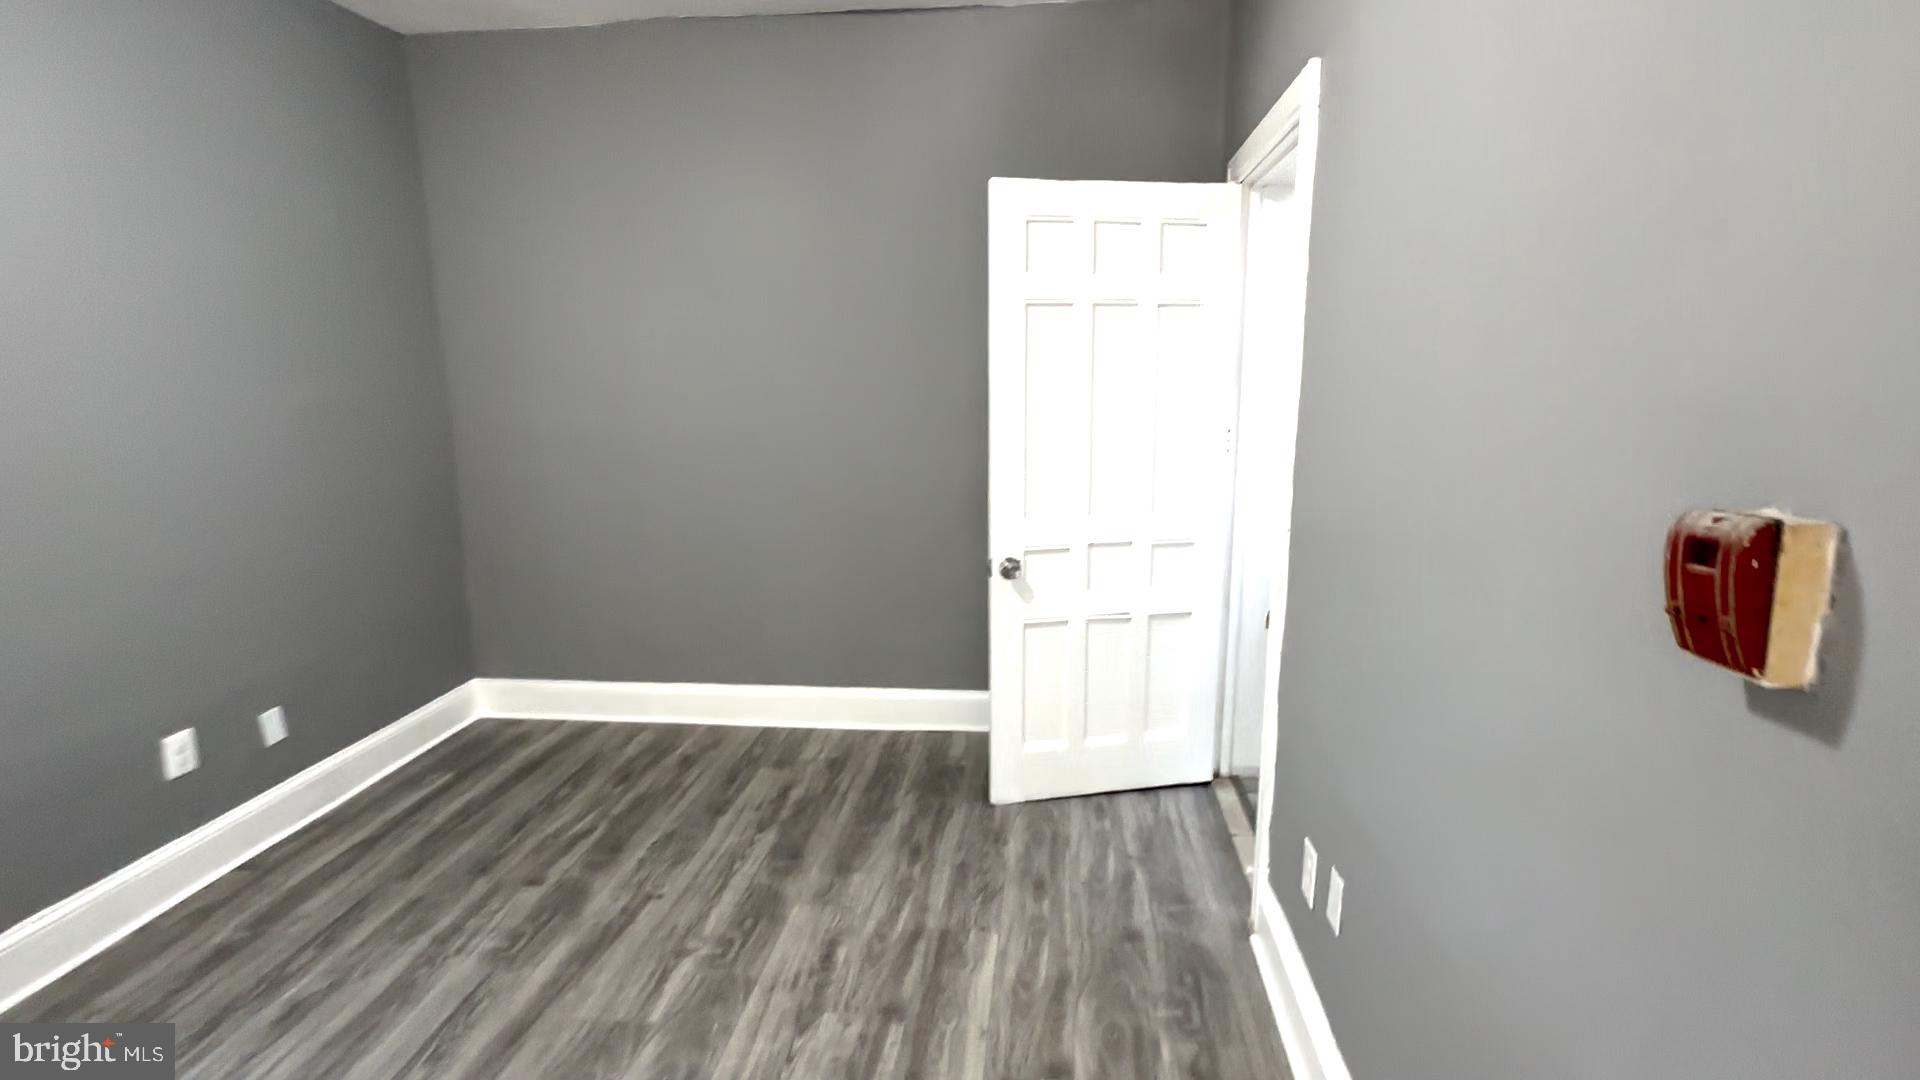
x,y
576,900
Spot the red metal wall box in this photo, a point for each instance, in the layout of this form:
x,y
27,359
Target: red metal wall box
x,y
1748,591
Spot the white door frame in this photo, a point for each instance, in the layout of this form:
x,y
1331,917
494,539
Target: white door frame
x,y
1285,142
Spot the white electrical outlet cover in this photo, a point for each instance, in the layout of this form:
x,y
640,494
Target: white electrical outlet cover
x,y
1336,898
179,754
273,726
1309,871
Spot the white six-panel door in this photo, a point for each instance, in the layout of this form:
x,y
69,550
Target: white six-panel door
x,y
1112,324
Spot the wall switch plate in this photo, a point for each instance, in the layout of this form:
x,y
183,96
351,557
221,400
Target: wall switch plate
x,y
273,726
1336,898
1309,871
179,754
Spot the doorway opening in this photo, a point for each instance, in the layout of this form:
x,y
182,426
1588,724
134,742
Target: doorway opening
x,y
1137,562
1274,170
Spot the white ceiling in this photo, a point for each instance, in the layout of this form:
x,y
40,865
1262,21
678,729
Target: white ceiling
x,y
441,16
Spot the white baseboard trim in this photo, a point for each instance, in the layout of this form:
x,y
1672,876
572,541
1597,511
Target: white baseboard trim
x,y
53,942
65,935
858,709
1304,1029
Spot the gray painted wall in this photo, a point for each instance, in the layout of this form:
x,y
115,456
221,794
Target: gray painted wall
x,y
713,295
1575,269
224,451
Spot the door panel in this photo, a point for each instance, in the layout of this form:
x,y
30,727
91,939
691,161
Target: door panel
x,y
1112,311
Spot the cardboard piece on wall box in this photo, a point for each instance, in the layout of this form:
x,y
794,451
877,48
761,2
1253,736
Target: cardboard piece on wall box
x,y
1802,595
